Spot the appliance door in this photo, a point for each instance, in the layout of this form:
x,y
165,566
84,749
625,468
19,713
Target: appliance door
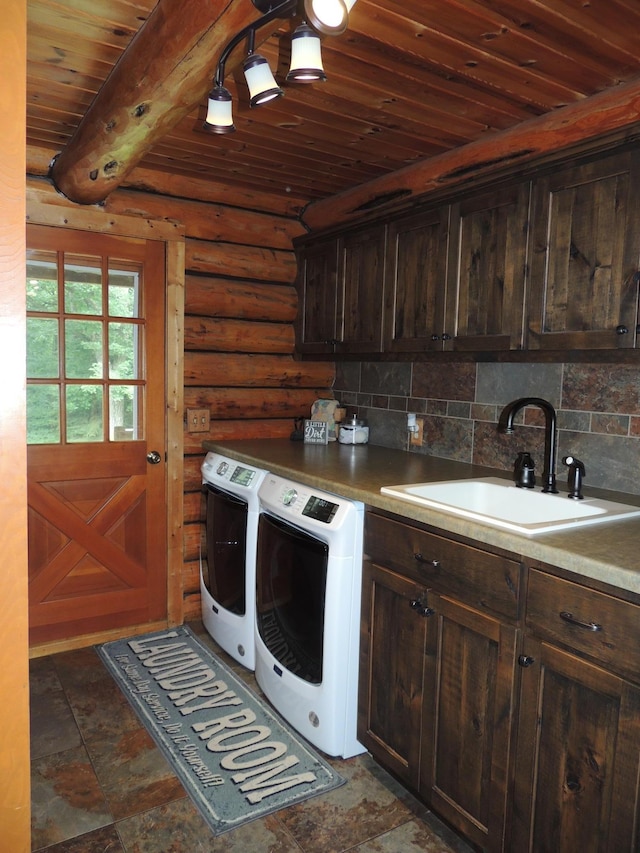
x,y
291,570
226,533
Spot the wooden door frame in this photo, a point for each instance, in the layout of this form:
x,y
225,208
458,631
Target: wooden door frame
x,y
15,809
64,214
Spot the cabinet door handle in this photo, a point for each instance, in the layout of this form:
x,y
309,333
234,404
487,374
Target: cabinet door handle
x,y
587,626
420,559
526,660
422,609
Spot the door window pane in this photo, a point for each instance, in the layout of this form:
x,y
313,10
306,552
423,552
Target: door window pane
x,y
85,333
42,348
82,285
123,351
124,293
42,281
124,414
43,414
83,349
85,420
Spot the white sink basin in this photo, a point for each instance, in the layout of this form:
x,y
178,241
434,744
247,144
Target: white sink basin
x,y
500,504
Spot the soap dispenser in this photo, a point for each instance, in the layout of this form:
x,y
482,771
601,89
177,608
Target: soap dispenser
x,y
524,471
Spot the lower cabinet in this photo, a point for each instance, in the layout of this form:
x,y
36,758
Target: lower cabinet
x,y
577,764
507,698
392,655
467,719
577,758
437,672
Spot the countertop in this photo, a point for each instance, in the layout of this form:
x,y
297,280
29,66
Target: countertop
x,y
609,553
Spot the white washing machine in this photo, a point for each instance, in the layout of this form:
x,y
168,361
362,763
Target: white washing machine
x,y
228,580
308,576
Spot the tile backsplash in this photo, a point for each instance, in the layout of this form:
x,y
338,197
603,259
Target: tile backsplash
x,y
598,408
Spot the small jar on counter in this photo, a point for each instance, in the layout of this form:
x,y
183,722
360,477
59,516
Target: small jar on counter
x,y
353,431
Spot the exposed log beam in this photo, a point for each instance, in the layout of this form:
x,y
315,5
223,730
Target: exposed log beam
x,y
162,75
602,114
185,186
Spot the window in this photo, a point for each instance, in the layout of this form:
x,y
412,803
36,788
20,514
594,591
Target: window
x,y
85,369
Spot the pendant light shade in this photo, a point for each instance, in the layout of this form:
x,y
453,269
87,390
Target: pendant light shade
x,y
260,80
324,17
329,17
219,111
306,56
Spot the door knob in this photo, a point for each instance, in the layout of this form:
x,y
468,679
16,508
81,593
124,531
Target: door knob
x,y
153,457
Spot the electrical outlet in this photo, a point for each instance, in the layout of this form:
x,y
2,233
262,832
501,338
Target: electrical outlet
x,y
198,420
416,437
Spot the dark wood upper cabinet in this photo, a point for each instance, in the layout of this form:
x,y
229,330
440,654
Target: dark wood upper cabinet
x,y
362,269
317,285
416,281
487,270
585,256
340,287
550,263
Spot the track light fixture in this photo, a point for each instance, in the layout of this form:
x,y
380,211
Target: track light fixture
x,y
261,82
319,17
306,58
219,111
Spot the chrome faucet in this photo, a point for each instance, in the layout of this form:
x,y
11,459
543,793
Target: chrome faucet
x,y
505,424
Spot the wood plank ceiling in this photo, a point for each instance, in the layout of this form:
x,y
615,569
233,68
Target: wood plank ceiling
x,y
408,80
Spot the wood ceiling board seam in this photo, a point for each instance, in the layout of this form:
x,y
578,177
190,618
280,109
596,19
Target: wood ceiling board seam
x,y
494,73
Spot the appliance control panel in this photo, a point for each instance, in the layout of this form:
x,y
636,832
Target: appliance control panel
x,y
333,519
297,502
218,469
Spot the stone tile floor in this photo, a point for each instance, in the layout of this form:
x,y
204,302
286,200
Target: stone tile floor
x,y
100,785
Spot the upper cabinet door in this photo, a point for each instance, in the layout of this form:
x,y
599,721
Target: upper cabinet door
x,y
363,272
317,285
487,271
416,281
584,259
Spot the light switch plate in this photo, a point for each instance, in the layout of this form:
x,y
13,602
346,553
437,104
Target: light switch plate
x,y
198,420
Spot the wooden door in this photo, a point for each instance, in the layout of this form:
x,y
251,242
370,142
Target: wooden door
x,y
578,756
362,274
416,281
95,432
467,720
392,649
317,285
586,256
487,270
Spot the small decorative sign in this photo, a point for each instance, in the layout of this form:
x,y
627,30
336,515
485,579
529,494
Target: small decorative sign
x,y
316,432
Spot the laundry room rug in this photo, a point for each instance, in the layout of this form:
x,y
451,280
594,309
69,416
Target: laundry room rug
x,y
237,759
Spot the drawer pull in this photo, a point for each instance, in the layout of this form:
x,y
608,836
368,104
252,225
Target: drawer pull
x,y
587,626
420,559
421,607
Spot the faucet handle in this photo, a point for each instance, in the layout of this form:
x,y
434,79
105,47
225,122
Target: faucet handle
x,y
576,474
524,471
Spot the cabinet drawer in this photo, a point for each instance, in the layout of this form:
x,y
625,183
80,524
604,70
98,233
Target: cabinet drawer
x,y
599,625
483,580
